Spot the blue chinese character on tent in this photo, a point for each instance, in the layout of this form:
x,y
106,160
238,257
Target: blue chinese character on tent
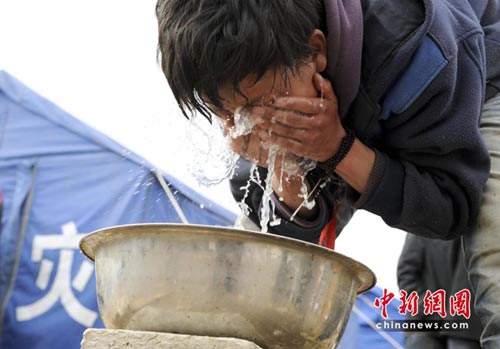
x,y
61,287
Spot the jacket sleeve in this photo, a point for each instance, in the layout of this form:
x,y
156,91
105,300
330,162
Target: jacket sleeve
x,y
431,162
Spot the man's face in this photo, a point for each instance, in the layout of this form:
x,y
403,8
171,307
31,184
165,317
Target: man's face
x,y
262,92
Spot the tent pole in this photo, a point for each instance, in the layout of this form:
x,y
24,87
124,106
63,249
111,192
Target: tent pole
x,y
22,233
171,196
384,335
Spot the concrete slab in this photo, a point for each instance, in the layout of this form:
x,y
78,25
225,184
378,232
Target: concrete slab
x,y
119,339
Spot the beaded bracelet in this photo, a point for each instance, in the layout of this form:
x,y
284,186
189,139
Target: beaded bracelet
x,y
331,164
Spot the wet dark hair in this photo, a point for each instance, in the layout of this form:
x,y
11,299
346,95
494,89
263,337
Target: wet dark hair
x,y
204,44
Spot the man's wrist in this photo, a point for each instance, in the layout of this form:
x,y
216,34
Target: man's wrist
x,y
329,166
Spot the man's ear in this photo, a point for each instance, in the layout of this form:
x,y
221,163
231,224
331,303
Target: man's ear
x,y
317,40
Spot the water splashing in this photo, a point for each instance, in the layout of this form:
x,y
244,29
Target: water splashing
x,y
243,124
214,162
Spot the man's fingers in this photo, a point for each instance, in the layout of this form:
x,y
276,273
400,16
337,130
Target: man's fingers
x,y
304,105
288,144
308,105
288,118
254,148
284,131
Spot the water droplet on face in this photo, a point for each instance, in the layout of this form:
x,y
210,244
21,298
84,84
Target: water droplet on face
x,y
321,98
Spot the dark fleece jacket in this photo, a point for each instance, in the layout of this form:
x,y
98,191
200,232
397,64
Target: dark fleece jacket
x,y
427,68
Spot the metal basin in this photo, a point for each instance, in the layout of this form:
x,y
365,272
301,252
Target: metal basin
x,y
274,291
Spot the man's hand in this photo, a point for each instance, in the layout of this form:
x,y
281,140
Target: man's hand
x,y
248,146
304,126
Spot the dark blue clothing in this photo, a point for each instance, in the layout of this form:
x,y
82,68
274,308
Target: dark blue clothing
x,y
427,68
